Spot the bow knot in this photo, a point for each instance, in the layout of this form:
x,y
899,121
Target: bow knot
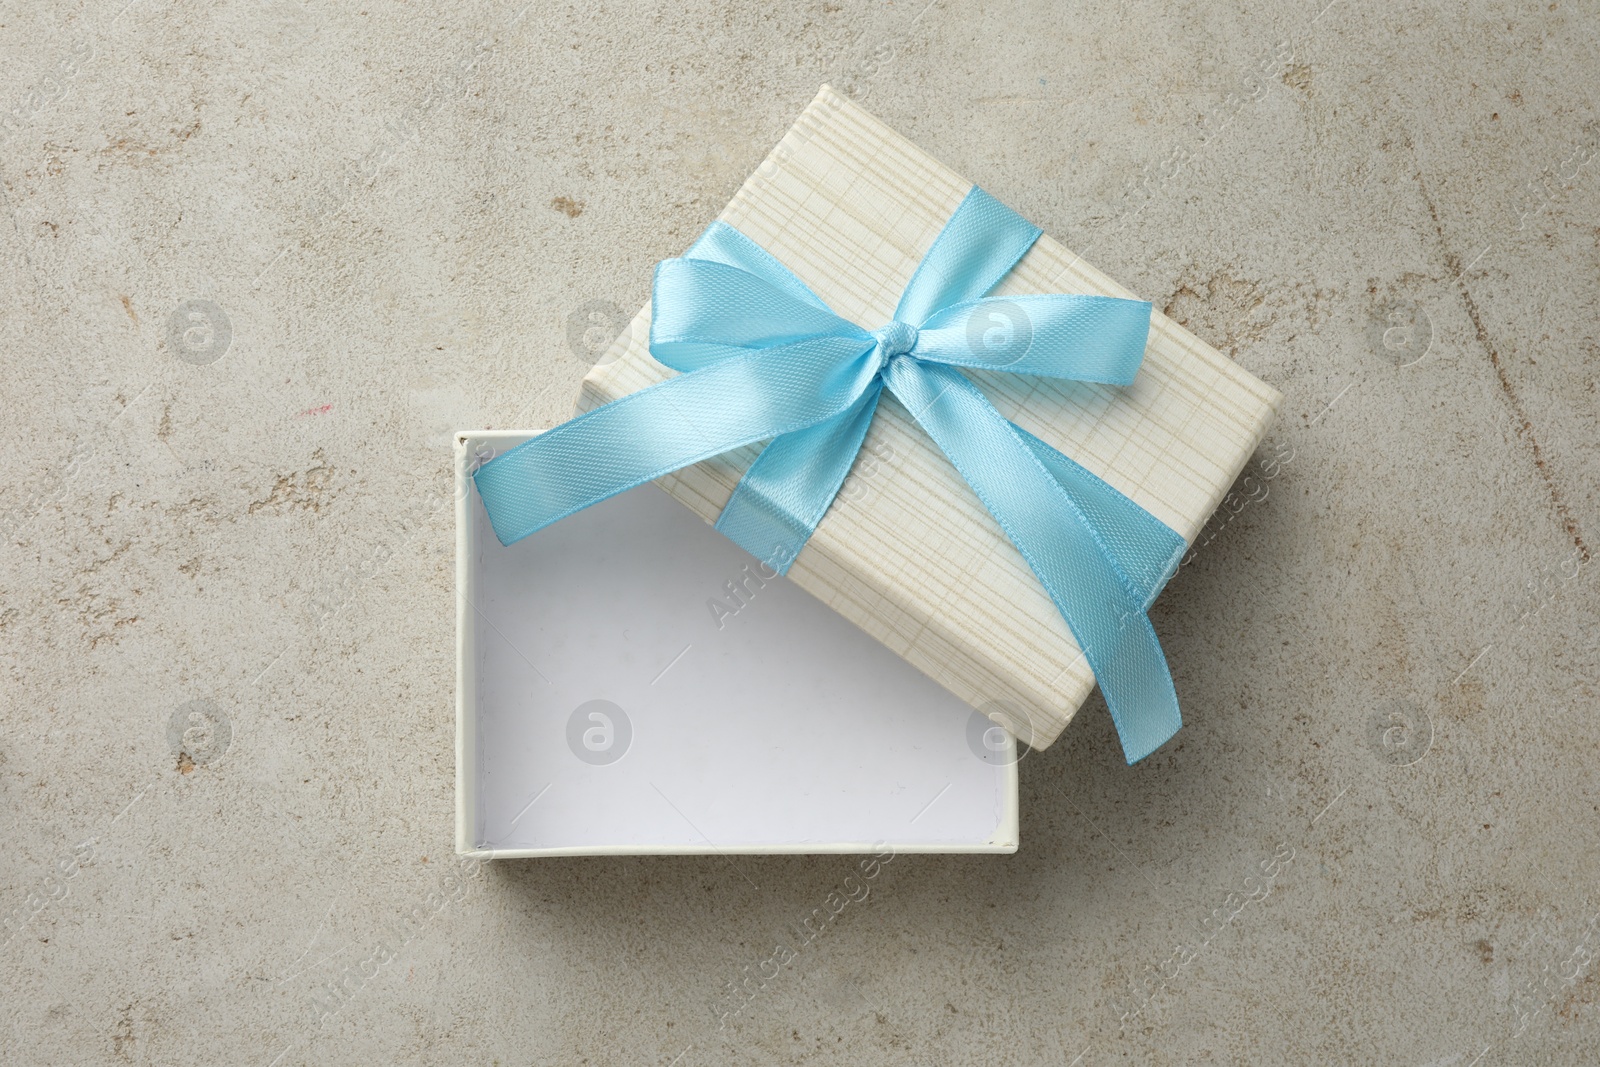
x,y
895,339
762,358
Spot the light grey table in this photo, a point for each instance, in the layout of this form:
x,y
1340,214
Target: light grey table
x,y
261,258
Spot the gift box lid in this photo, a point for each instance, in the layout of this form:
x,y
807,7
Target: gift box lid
x,y
907,551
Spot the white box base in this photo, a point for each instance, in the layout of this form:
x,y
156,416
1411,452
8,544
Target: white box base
x,y
776,728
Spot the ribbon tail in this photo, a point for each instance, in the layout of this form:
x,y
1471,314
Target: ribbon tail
x,y
668,426
1145,550
783,496
1103,609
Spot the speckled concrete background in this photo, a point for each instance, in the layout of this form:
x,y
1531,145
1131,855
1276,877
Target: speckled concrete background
x,y
259,259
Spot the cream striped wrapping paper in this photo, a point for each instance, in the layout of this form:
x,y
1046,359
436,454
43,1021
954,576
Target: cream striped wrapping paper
x,y
907,552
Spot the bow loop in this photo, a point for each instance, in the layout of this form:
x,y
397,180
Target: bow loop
x,y
1078,338
715,311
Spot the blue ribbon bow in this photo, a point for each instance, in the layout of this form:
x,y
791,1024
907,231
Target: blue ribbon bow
x,y
761,357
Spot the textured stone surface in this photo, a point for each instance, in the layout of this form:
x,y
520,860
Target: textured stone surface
x,y
236,553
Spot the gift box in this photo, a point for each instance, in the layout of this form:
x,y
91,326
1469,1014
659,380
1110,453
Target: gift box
x,y
603,709
907,551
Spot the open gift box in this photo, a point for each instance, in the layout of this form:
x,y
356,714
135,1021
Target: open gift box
x,y
603,708
968,437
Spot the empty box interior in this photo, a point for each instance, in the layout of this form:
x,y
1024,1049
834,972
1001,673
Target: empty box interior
x,y
631,682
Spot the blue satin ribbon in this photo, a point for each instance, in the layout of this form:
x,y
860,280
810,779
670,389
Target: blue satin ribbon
x,y
761,358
